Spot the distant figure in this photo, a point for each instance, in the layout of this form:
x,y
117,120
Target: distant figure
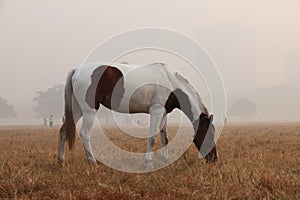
x,y
45,121
225,119
63,119
51,119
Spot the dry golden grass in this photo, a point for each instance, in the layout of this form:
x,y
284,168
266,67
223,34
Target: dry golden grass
x,y
256,162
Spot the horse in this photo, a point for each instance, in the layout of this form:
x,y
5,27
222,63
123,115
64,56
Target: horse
x,y
152,88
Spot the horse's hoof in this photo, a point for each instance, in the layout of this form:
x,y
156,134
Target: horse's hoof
x,y
60,162
165,160
149,165
211,161
92,164
98,162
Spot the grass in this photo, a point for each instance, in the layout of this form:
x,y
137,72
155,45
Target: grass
x,y
258,161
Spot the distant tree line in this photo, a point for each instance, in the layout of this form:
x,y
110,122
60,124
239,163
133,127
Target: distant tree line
x,y
268,102
243,108
50,102
6,110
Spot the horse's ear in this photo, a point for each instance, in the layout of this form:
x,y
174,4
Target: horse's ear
x,y
211,118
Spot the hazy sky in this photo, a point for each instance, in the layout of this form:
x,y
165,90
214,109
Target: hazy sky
x,y
42,40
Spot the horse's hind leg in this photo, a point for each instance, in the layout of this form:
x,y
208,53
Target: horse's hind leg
x,y
85,134
61,146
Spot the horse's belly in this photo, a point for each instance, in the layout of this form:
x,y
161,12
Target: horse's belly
x,y
139,104
142,98
127,106
136,99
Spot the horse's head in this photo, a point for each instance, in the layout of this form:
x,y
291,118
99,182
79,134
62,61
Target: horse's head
x,y
204,137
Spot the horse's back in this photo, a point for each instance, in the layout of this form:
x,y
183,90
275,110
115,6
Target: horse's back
x,y
144,85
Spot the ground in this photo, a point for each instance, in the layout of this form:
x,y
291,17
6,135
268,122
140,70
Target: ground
x,y
256,161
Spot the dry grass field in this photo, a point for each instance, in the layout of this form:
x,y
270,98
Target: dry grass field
x,y
256,161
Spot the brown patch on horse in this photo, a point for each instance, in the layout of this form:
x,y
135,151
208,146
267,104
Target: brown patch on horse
x,y
107,87
202,127
178,99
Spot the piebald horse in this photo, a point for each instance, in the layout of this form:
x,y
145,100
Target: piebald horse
x,y
153,88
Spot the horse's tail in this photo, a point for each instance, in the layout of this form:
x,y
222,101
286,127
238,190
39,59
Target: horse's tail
x,y
69,127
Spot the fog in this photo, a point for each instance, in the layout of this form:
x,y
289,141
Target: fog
x,y
255,44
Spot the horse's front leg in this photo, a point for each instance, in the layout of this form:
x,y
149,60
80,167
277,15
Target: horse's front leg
x,y
164,139
157,113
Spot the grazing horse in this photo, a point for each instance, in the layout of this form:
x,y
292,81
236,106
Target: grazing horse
x,y
149,88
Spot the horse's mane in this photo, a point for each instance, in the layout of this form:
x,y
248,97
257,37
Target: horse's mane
x,y
200,101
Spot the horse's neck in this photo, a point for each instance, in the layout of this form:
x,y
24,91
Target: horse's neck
x,y
197,106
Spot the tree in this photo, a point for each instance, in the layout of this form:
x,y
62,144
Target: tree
x,y
6,110
50,102
243,108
